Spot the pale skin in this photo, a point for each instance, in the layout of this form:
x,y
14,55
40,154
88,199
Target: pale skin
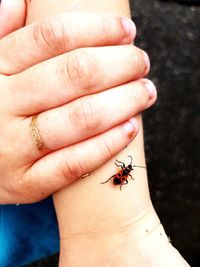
x,y
71,105
99,224
11,20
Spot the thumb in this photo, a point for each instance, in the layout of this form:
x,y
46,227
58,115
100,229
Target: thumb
x,y
12,16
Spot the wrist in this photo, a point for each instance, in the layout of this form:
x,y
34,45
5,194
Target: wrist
x,y
145,244
114,246
89,206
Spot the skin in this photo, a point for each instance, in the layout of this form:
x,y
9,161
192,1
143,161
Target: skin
x,y
12,15
93,247
71,118
99,224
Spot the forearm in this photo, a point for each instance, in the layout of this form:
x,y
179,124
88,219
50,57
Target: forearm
x,y
127,199
38,9
93,216
110,200
103,201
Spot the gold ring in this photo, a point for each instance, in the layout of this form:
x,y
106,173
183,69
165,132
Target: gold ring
x,y
36,133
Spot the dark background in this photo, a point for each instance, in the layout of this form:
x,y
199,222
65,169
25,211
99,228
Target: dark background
x,y
170,33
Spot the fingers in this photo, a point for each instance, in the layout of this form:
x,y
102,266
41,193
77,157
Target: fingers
x,y
54,36
75,74
63,167
87,116
12,16
59,127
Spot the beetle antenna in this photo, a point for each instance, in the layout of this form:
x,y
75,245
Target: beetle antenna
x,y
131,159
139,166
108,179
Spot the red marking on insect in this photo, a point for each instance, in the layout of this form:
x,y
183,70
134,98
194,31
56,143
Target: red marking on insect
x,y
121,177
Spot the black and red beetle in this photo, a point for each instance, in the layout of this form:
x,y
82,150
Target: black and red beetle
x,y
120,178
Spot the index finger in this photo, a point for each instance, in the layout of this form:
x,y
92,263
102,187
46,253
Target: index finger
x,y
54,36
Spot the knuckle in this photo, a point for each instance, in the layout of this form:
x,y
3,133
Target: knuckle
x,y
81,69
50,34
83,114
72,169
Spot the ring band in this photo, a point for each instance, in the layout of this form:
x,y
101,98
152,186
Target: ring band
x,y
36,133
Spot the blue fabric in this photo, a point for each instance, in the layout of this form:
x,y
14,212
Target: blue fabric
x,y
27,233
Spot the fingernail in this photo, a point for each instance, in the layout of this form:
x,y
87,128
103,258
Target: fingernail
x,y
147,62
150,88
131,127
129,27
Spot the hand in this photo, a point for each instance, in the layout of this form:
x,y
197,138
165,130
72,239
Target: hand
x,y
12,16
49,69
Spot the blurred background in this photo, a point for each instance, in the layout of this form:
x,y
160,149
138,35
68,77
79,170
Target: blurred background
x,y
170,32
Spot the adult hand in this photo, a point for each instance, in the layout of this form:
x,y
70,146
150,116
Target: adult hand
x,y
12,16
59,70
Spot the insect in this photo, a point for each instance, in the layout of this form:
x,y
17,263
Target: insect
x,y
120,178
